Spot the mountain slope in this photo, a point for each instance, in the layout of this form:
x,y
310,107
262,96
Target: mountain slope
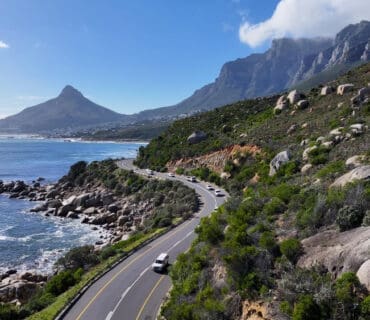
x,y
291,242
287,63
70,110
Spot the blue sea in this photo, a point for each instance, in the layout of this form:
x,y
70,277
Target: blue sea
x,y
30,240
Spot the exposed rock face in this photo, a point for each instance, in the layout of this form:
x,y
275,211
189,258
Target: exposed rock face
x,y
359,173
260,310
363,274
285,64
196,137
338,251
278,161
281,104
215,161
355,161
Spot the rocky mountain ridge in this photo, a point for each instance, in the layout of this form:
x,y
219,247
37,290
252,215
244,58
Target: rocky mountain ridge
x,y
286,64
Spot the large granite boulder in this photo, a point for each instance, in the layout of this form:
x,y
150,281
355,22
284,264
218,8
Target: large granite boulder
x,y
363,274
294,96
326,90
196,137
359,173
281,104
344,88
278,161
337,251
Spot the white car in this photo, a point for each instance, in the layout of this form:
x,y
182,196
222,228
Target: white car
x,y
161,263
149,172
192,179
171,175
218,193
209,187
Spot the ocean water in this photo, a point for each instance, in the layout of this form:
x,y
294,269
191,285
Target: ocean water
x,y
30,240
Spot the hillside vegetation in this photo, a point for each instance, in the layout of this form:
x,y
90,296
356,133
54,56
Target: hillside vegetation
x,y
259,255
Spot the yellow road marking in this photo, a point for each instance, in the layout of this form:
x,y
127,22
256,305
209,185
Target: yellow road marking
x,y
148,297
123,269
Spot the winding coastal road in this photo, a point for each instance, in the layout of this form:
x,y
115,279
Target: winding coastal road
x,y
131,290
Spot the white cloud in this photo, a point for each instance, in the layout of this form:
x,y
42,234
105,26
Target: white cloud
x,y
305,18
3,45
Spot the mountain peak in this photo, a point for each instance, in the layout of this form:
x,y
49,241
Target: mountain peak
x,y
69,91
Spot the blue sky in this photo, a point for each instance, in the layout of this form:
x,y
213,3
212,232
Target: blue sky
x,y
127,55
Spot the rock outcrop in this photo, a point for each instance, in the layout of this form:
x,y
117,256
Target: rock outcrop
x,y
196,137
215,161
359,173
278,161
344,88
337,251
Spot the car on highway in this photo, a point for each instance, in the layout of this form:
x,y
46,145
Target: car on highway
x,y
209,187
172,175
161,263
218,193
191,179
149,172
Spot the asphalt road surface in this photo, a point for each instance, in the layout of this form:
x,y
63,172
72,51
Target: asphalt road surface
x,y
132,290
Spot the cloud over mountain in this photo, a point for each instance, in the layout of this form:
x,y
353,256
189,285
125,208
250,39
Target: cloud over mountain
x,y
302,18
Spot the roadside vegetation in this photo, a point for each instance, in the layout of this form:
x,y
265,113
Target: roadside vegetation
x,y
249,249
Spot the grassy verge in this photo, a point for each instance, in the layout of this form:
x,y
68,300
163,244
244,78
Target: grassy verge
x,y
61,302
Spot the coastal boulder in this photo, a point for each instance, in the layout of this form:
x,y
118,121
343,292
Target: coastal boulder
x,y
278,161
81,199
54,204
70,201
196,137
39,208
64,210
359,173
52,194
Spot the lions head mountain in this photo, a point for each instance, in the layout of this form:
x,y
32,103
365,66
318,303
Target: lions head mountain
x,y
68,111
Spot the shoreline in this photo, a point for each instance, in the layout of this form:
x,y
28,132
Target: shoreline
x,y
69,139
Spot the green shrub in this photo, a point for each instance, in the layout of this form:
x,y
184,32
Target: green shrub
x,y
107,252
331,169
286,308
365,308
267,240
291,248
366,219
274,206
60,282
349,217
285,191
306,309
40,301
319,155
80,257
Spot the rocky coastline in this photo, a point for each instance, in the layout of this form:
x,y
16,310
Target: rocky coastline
x,y
116,217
